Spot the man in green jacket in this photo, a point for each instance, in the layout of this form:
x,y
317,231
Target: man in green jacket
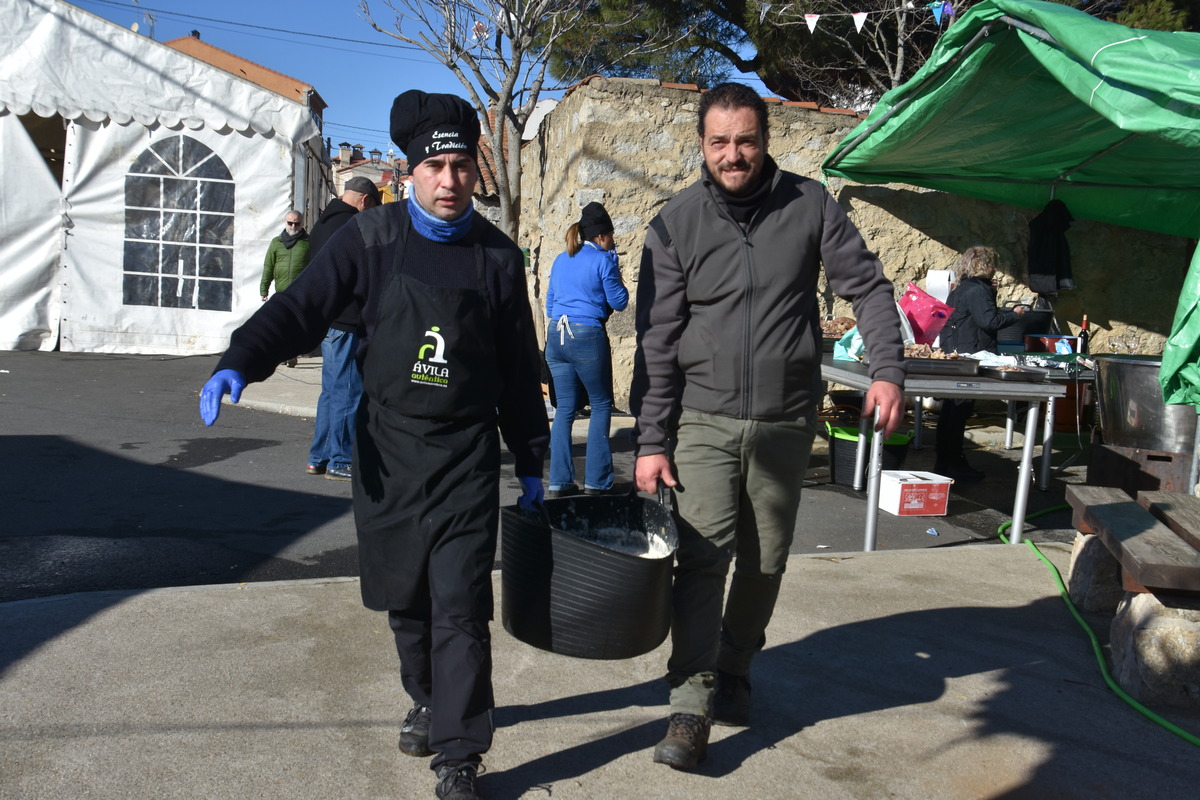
x,y
287,255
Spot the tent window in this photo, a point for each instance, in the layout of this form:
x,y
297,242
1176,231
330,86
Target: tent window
x,y
179,203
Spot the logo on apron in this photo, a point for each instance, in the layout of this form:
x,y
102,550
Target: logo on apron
x,y
424,369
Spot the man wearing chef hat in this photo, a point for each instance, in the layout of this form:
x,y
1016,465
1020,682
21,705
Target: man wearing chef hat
x,y
449,363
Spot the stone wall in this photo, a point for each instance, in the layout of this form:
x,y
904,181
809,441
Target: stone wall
x,y
632,144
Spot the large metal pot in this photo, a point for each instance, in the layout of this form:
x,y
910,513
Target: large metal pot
x,y
1132,412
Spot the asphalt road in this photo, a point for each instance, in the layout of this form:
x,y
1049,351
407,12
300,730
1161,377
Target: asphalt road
x,y
115,483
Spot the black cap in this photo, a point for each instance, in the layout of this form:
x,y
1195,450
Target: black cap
x,y
594,221
364,186
425,125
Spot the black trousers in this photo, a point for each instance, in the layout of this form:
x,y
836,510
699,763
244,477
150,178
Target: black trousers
x,y
445,650
952,430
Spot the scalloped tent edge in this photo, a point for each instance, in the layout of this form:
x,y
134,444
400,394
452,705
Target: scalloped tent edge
x,y
104,251
56,59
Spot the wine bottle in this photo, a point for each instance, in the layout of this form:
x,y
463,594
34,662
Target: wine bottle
x,y
1083,336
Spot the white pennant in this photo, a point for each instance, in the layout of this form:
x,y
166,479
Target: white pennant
x,y
811,19
859,18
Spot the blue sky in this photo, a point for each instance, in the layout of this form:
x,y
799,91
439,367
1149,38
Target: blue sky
x,y
358,78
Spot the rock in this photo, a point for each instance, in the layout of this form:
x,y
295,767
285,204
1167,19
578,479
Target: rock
x,y
1156,649
1094,576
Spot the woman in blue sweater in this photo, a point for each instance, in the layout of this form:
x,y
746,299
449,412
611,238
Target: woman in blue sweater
x,y
585,288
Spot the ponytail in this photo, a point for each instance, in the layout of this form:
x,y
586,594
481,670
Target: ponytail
x,y
574,239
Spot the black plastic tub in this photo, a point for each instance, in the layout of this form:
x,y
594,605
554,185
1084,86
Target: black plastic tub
x,y
567,594
843,452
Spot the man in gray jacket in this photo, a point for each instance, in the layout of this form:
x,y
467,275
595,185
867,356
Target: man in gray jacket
x,y
726,384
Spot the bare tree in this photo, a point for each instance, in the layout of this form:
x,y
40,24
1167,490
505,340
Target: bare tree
x,y
853,68
499,51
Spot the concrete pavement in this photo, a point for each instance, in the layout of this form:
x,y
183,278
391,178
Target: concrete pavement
x,y
954,674
928,673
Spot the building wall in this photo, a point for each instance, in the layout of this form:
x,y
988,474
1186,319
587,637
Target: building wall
x,y
632,144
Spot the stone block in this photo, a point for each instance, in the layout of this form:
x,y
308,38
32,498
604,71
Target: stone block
x,y
1155,644
1094,576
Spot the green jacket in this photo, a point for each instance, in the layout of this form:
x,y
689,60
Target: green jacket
x,y
283,265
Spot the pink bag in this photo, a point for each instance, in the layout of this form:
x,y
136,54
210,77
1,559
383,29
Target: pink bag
x,y
925,313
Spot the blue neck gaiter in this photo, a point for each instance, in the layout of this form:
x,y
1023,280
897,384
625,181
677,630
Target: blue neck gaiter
x,y
439,230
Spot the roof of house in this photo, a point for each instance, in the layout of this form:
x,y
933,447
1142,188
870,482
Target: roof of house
x,y
267,78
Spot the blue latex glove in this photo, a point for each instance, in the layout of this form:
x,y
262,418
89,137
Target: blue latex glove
x,y
531,494
225,381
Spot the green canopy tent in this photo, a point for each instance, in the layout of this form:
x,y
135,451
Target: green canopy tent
x,y
1025,102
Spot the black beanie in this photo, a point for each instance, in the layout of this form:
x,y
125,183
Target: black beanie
x,y
594,221
425,125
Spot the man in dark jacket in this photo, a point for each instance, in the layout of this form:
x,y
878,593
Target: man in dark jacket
x,y
727,379
449,353
341,385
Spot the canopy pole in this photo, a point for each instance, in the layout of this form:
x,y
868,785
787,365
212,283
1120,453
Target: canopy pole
x,y
849,148
1037,33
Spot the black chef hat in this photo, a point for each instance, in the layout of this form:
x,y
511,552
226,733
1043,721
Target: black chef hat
x,y
425,125
594,221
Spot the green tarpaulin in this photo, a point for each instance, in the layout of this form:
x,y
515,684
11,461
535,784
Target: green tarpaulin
x,y
1024,102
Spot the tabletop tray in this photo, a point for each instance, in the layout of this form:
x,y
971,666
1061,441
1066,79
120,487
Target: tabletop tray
x,y
1026,374
943,366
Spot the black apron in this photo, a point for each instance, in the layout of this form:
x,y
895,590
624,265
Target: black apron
x,y
427,456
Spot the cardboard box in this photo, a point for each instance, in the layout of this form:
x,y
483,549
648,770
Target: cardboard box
x,y
914,494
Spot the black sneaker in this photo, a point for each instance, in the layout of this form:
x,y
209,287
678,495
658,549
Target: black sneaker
x,y
457,781
414,733
341,473
565,491
686,743
731,700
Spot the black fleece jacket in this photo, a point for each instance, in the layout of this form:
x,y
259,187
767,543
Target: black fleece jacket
x,y
976,319
335,215
354,265
727,316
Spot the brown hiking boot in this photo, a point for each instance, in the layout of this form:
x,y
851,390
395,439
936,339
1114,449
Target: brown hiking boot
x,y
686,743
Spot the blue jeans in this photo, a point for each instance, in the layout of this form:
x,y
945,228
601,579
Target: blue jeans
x,y
341,388
581,355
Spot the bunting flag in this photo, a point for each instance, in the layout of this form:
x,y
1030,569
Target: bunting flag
x,y
938,8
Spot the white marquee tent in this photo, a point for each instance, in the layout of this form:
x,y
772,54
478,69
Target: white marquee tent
x,y
141,187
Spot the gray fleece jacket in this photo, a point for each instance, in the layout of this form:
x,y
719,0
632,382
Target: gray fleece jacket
x,y
727,319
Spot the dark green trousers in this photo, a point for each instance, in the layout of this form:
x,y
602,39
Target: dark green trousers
x,y
738,499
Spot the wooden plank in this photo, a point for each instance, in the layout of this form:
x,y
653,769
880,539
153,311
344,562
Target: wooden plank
x,y
1179,512
1080,497
1148,550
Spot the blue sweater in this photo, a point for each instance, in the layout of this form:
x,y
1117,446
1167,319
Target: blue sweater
x,y
586,287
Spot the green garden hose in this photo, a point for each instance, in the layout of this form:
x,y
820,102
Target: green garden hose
x,y
1108,678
